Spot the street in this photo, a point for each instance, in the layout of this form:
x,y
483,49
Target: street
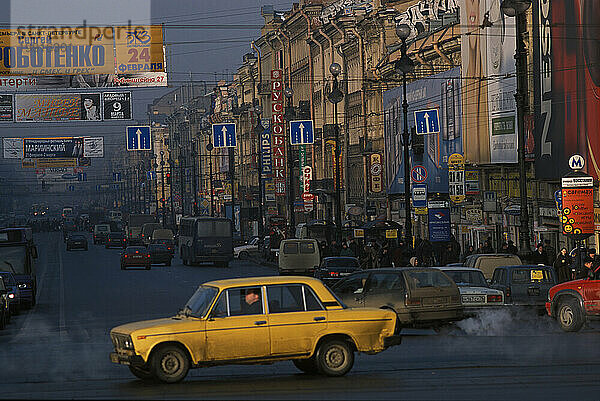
x,y
59,349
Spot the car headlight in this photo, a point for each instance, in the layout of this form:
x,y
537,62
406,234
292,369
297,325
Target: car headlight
x,y
11,295
23,286
127,343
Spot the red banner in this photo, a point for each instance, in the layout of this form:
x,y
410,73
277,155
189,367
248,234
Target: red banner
x,y
578,210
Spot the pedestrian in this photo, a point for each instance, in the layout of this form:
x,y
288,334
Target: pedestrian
x,y
539,256
503,248
586,270
562,266
512,248
550,251
487,247
334,250
414,262
468,252
385,259
346,251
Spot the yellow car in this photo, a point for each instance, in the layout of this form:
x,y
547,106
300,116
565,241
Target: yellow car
x,y
254,320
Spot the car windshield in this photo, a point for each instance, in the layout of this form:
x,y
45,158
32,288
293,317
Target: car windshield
x,y
77,237
8,278
198,304
157,247
467,278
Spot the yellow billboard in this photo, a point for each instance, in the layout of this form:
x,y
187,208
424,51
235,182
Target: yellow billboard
x,y
81,50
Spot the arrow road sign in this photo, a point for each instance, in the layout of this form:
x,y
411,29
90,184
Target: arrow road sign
x,y
138,138
302,132
224,135
427,121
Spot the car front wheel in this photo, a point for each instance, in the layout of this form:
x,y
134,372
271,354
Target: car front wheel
x,y
170,364
569,315
141,373
335,358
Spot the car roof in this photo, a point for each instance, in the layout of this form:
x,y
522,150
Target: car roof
x,y
257,281
505,255
339,257
456,268
525,266
399,269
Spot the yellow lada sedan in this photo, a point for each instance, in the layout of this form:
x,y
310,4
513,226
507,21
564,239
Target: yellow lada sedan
x,y
254,320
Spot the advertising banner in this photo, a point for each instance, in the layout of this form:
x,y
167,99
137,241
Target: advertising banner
x,y
139,49
375,170
439,225
51,148
266,155
13,148
578,211
566,86
442,92
117,105
6,108
278,131
93,147
57,107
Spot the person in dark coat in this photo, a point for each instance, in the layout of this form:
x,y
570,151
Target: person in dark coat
x,y
562,266
539,256
512,248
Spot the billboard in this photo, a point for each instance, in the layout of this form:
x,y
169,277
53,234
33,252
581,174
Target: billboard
x,y
6,108
117,105
13,148
488,66
57,107
51,148
566,86
93,147
441,92
81,50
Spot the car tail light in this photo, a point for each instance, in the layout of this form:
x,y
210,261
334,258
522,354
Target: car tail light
x,y
413,302
125,256
148,255
334,274
507,293
11,295
494,298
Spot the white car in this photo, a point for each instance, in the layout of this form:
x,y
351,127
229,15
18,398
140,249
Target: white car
x,y
244,251
474,290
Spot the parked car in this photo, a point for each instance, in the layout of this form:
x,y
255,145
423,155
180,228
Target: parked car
x,y
14,293
116,240
298,256
487,262
246,250
334,268
100,233
421,297
254,320
134,256
77,241
475,292
525,285
573,303
159,253
4,304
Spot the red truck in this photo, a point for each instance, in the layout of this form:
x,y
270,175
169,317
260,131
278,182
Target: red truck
x,y
573,303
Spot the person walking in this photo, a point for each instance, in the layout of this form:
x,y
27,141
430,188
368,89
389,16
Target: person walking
x,y
539,256
346,251
562,266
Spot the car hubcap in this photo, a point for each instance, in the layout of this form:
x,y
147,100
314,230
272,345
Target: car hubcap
x,y
566,315
170,364
335,357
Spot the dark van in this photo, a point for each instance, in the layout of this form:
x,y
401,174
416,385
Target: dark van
x,y
205,239
525,285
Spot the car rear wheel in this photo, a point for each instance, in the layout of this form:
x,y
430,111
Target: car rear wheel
x,y
307,365
335,358
170,364
243,255
141,373
569,315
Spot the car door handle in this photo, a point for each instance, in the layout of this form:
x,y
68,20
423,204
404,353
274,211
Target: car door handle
x,y
260,322
319,318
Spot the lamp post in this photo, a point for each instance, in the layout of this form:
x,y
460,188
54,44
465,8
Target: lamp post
x,y
289,116
336,96
405,64
517,8
162,181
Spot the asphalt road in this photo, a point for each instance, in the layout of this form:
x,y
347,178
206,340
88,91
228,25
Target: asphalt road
x,y
60,348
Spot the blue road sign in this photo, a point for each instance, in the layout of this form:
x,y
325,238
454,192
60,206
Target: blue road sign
x,y
419,195
439,225
302,132
427,121
418,174
224,135
138,138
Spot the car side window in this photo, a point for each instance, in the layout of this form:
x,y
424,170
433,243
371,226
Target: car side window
x,y
384,282
351,285
245,301
311,300
221,308
285,298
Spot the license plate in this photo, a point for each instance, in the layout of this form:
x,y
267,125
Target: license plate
x,y
533,291
471,299
345,274
137,257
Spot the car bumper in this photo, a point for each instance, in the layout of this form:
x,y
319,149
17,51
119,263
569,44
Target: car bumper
x,y
391,341
161,259
77,246
549,308
134,360
136,263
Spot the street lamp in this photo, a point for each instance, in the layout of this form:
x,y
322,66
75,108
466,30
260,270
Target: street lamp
x,y
289,116
336,96
406,65
517,8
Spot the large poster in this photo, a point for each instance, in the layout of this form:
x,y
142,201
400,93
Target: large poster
x,y
51,148
566,85
115,55
117,105
57,107
441,92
